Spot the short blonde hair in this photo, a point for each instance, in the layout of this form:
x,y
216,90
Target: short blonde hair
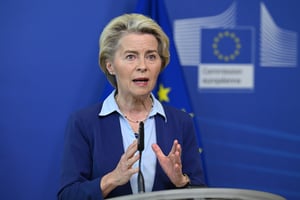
x,y
129,23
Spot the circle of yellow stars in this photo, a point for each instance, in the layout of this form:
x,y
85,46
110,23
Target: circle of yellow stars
x,y
220,37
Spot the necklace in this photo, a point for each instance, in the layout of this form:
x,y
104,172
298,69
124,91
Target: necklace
x,y
133,121
136,121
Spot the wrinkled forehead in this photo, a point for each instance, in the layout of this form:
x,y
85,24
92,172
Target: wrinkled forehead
x,y
139,42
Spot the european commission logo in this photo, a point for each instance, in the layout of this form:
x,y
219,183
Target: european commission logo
x,y
225,54
226,59
226,45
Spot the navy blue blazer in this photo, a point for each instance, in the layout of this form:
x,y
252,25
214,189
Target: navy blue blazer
x,y
93,147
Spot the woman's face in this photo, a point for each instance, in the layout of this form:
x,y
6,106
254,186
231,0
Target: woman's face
x,y
136,64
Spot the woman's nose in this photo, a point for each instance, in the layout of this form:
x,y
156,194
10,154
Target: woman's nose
x,y
142,65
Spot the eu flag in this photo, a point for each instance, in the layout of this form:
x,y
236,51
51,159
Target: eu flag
x,y
171,87
226,45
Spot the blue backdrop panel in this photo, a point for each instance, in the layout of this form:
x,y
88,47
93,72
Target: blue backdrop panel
x,y
49,68
250,136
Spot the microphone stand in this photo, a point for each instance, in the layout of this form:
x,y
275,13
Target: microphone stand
x,y
140,180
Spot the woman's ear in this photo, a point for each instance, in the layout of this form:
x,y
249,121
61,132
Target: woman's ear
x,y
110,68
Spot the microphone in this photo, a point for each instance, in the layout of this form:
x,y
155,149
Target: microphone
x,y
140,180
141,137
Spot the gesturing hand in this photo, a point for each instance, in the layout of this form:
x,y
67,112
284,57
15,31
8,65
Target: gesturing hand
x,y
171,164
123,172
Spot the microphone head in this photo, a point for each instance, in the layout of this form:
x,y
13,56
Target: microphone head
x,y
141,137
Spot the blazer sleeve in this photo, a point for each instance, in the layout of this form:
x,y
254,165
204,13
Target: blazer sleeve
x,y
179,125
191,160
77,164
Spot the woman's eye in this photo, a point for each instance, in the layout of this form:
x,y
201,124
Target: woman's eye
x,y
152,57
130,57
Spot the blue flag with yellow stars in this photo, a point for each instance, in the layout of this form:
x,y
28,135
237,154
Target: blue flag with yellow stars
x,y
171,87
221,46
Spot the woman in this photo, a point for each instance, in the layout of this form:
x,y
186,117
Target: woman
x,y
100,156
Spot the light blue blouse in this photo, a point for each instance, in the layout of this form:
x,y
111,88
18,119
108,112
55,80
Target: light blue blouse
x,y
148,157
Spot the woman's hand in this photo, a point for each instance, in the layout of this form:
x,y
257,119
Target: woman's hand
x,y
123,172
171,164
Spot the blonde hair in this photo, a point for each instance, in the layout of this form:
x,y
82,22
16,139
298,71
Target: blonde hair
x,y
129,23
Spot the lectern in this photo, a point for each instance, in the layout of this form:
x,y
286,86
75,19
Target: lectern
x,y
203,194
